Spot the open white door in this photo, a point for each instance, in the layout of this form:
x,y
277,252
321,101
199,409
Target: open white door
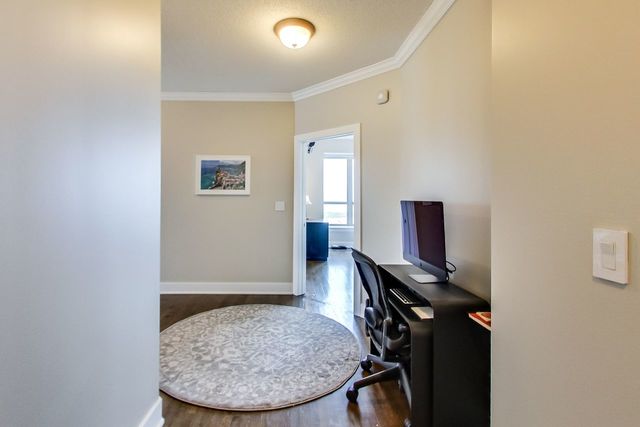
x,y
299,208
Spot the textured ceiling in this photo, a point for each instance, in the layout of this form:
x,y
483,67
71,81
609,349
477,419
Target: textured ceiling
x,y
229,45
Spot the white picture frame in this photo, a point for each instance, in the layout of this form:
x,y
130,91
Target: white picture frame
x,y
217,175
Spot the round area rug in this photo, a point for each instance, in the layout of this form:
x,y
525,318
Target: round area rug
x,y
255,357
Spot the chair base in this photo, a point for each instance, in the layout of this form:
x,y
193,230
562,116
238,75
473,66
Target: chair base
x,y
391,371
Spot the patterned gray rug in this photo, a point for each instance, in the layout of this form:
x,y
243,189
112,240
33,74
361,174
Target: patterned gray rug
x,y
255,357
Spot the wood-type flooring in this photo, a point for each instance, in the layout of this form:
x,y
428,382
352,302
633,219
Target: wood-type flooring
x,y
329,292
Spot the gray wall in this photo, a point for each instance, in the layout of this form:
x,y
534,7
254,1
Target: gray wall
x,y
429,142
566,346
227,239
79,217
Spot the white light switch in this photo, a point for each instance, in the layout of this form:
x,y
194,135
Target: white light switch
x,y
608,255
611,255
279,205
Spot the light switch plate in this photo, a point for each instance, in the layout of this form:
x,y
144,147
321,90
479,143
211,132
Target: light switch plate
x,y
611,255
279,205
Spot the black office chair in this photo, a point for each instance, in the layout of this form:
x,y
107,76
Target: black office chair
x,y
389,338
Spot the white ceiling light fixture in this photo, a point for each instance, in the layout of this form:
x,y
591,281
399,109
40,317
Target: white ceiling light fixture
x,y
294,33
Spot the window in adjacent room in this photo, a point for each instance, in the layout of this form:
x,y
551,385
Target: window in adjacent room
x,y
337,189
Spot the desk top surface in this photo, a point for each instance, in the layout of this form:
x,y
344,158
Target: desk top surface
x,y
435,293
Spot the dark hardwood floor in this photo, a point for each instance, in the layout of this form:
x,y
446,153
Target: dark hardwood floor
x,y
329,292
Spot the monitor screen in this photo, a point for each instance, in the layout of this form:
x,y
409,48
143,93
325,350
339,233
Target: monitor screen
x,y
423,242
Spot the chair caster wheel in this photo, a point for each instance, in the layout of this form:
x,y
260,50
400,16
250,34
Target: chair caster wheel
x,y
352,395
366,365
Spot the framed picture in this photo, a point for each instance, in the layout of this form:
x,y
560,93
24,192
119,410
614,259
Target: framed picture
x,y
223,175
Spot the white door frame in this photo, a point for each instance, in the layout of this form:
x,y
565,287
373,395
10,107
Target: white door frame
x,y
300,207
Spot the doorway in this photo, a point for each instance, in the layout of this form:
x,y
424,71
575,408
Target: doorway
x,y
327,195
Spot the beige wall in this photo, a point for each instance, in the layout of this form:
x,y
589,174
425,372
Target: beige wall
x,y
566,347
380,129
225,239
80,212
429,142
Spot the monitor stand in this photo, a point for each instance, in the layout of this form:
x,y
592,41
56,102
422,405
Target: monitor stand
x,y
424,278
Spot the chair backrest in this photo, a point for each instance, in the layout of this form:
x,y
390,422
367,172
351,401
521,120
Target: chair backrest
x,y
372,283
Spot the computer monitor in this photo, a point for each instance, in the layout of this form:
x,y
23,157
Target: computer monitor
x,y
423,242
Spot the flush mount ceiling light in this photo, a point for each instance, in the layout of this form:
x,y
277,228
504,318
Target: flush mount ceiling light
x,y
294,33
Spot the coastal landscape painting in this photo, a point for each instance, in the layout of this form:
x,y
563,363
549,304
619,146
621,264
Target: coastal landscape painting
x,y
222,175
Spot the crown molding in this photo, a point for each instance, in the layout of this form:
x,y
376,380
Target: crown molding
x,y
228,96
423,28
346,79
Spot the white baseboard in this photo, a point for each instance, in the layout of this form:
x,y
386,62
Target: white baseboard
x,y
339,243
153,417
242,288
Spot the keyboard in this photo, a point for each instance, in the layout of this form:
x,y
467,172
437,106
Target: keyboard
x,y
404,296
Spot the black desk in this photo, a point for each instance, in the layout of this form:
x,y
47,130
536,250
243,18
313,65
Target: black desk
x,y
449,353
